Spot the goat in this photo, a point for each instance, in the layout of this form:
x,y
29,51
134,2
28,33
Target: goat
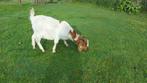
x,y
45,27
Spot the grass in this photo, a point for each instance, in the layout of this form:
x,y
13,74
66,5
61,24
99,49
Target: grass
x,y
117,54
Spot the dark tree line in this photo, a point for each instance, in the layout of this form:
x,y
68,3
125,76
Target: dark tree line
x,y
37,1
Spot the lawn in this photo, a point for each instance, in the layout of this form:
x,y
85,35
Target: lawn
x,y
117,54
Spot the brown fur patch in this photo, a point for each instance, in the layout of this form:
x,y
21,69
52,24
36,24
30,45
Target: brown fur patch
x,y
73,34
81,41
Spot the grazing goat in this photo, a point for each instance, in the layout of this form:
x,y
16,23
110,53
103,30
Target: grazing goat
x,y
45,27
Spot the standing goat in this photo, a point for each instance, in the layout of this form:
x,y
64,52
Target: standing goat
x,y
45,27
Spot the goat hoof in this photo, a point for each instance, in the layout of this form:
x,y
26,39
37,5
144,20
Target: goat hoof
x,y
43,51
53,51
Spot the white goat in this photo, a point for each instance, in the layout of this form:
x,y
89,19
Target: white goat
x,y
45,27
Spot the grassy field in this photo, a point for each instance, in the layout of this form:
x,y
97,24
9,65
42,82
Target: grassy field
x,y
117,54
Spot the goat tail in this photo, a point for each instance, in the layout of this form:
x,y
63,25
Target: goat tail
x,y
32,12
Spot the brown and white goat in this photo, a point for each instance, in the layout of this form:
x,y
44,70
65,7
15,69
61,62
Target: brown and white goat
x,y
45,27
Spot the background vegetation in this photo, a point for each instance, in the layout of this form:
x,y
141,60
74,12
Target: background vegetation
x,y
113,3
105,3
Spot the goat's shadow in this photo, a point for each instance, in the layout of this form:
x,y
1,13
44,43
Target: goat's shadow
x,y
64,66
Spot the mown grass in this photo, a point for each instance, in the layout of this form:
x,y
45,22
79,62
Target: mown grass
x,y
117,54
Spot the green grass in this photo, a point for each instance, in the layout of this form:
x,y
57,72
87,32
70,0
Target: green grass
x,y
117,54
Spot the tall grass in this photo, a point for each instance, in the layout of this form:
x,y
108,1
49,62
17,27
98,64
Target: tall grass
x,y
144,4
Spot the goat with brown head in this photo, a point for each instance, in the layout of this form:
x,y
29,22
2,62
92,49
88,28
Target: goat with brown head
x,y
81,42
